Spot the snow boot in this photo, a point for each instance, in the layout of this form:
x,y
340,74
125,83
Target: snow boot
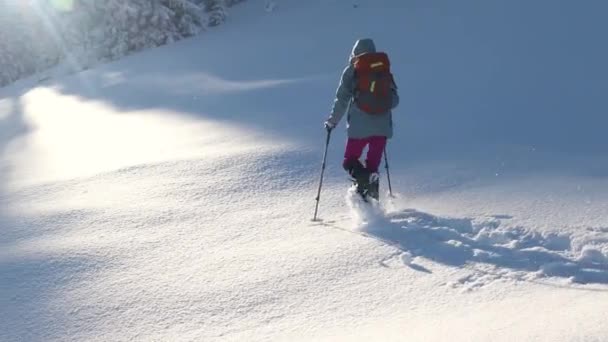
x,y
360,177
373,189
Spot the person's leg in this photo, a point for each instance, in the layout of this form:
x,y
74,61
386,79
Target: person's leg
x,y
374,153
352,154
374,158
354,167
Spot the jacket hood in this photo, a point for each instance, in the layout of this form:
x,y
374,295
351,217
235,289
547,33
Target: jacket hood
x,y
363,46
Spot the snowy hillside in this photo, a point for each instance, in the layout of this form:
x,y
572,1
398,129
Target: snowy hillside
x,y
168,196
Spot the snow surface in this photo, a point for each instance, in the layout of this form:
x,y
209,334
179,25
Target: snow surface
x,y
169,195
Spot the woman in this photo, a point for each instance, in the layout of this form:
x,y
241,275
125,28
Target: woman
x,y
368,92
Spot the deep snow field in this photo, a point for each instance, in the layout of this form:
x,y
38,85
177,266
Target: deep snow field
x,y
168,196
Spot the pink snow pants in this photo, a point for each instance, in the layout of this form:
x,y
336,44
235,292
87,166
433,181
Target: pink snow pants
x,y
354,149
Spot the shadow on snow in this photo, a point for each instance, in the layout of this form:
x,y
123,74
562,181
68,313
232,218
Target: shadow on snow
x,y
488,248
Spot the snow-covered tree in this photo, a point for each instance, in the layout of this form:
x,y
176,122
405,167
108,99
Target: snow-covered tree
x,y
37,34
188,18
25,44
113,28
217,10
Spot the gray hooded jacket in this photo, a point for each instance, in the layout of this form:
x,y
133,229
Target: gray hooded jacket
x,y
360,124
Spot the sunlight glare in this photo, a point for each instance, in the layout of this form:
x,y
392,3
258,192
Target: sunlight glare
x,y
70,137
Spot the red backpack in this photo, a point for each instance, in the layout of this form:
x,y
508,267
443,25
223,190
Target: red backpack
x,y
373,93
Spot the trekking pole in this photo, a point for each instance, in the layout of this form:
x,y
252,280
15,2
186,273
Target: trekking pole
x,y
388,174
322,172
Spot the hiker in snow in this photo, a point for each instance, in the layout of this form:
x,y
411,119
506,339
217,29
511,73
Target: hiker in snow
x,y
368,93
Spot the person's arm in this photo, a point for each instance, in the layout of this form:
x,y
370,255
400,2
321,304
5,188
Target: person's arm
x,y
344,96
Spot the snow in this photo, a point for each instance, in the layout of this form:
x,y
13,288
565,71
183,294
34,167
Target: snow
x,y
169,195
